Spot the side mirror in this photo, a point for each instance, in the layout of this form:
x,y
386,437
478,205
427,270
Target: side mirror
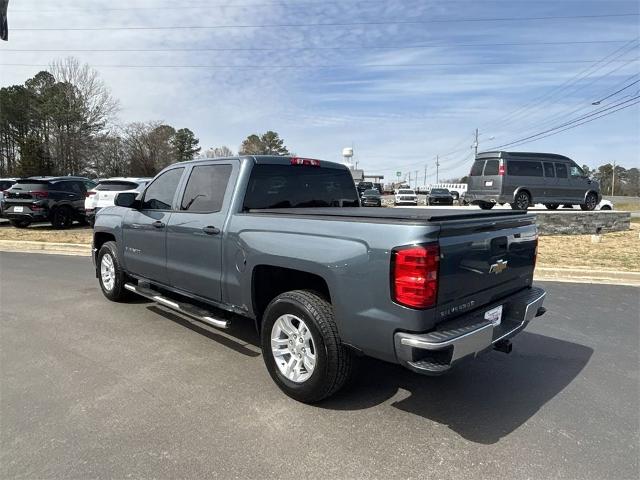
x,y
127,200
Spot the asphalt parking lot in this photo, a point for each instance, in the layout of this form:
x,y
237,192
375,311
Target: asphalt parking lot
x,y
93,389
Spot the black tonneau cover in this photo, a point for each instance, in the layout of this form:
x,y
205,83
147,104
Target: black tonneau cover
x,y
399,214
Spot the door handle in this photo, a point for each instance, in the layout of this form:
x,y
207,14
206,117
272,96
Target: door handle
x,y
158,224
210,230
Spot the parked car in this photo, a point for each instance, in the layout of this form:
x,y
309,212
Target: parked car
x,y
457,190
522,179
603,205
5,184
371,198
439,196
104,193
405,196
284,242
59,200
363,186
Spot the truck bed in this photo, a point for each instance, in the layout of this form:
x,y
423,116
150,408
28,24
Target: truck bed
x,y
392,215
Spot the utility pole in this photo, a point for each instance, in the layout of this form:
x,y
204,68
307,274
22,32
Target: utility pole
x,y
437,167
475,143
613,181
425,175
416,179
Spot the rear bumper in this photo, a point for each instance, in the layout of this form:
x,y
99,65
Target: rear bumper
x,y
488,198
436,352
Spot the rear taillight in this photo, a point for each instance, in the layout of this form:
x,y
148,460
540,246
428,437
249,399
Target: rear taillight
x,y
35,207
89,193
501,168
305,161
39,194
414,272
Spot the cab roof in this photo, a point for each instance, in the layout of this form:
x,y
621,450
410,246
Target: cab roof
x,y
520,155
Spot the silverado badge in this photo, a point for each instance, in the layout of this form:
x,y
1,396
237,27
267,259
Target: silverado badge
x,y
498,267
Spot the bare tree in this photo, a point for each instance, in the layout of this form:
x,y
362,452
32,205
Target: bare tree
x,y
219,152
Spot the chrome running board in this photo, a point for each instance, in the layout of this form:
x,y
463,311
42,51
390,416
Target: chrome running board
x,y
195,313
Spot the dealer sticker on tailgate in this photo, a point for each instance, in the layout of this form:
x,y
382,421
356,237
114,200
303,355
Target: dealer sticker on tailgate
x,y
494,315
18,209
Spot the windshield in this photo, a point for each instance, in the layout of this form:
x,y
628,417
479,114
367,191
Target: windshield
x,y
371,193
406,192
297,186
440,191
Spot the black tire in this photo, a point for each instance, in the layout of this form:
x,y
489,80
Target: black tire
x,y
521,202
590,202
606,207
552,206
117,293
334,361
62,217
486,205
20,223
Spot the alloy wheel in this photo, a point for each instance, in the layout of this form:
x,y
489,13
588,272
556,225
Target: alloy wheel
x,y
293,348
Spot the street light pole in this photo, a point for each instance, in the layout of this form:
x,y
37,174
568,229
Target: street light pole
x,y
613,181
437,168
475,143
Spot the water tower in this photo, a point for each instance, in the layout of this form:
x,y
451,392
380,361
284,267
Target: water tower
x,y
347,156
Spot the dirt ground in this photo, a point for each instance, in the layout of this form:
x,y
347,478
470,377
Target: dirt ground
x,y
44,233
616,251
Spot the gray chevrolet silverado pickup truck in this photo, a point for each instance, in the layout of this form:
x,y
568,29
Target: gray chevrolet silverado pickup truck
x,y
284,242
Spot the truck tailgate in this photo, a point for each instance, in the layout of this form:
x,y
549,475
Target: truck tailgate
x,y
483,260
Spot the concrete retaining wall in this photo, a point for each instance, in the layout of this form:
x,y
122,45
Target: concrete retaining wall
x,y
580,222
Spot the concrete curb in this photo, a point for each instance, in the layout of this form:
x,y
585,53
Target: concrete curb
x,y
79,249
587,275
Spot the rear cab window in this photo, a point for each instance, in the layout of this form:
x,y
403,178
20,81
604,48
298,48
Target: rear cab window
x,y
299,186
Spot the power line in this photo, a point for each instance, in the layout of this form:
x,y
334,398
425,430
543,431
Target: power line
x,y
597,102
602,110
335,24
344,65
363,47
582,123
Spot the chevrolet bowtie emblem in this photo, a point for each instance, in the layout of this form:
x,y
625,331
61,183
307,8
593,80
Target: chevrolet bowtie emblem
x,y
498,267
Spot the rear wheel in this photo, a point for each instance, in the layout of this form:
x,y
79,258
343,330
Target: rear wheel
x,y
521,202
590,202
301,347
552,206
486,205
110,273
62,217
20,223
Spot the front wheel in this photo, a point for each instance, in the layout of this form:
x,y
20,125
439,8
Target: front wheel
x,y
552,206
486,205
61,218
301,347
590,202
110,273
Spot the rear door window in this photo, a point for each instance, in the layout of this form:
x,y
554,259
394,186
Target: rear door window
x,y
289,186
548,170
476,169
491,167
524,169
206,188
561,170
159,195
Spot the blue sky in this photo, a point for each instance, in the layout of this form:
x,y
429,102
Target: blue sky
x,y
399,107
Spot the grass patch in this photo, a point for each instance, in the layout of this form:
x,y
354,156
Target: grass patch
x,y
627,206
45,233
616,251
